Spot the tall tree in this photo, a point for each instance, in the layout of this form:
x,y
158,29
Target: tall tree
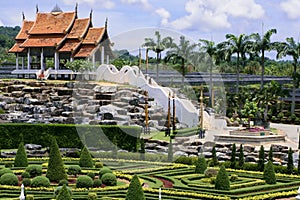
x,y
158,45
135,190
241,156
290,164
261,44
261,159
291,48
233,155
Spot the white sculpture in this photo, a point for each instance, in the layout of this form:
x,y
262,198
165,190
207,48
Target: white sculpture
x,y
22,196
159,194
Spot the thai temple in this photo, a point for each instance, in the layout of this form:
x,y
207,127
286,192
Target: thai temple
x,y
56,37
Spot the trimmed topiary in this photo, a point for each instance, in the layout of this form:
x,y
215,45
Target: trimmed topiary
x,y
74,170
103,171
56,169
64,194
97,183
25,175
21,157
290,162
92,196
29,197
91,174
214,160
109,179
98,164
201,165
85,158
222,180
135,190
58,189
210,173
269,173
9,179
233,155
261,159
170,151
40,181
63,182
271,153
34,170
241,157
5,171
84,182
26,182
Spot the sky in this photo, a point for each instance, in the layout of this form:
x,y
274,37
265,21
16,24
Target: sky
x,y
130,21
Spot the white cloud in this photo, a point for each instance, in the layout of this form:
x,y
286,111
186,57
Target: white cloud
x,y
215,14
144,3
291,8
1,23
164,14
108,4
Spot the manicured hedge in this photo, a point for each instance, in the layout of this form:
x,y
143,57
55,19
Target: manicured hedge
x,y
69,136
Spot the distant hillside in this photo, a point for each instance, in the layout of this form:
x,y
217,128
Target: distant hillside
x,y
7,36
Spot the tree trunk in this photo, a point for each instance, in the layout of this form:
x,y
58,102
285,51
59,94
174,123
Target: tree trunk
x,y
237,73
262,69
157,62
210,84
294,89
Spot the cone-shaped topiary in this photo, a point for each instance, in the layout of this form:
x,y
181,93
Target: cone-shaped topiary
x,y
241,156
271,154
201,165
261,159
135,190
233,155
85,158
269,173
290,164
64,194
21,156
214,161
170,151
222,180
56,170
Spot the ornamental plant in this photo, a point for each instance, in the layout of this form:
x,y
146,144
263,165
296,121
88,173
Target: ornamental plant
x,y
34,170
5,171
222,180
64,194
269,173
201,165
9,179
214,161
271,154
21,156
104,170
170,151
261,159
135,190
241,157
290,164
40,181
109,179
56,169
85,158
92,196
84,182
233,155
74,170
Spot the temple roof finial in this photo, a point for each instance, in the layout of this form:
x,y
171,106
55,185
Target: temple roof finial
x,y
106,22
56,9
76,7
37,8
23,16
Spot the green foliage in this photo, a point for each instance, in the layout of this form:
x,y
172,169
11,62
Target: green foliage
x,y
79,65
103,171
92,196
25,174
269,173
109,179
135,190
29,197
84,181
91,174
271,154
63,182
234,177
85,158
222,180
34,170
201,165
40,181
5,171
64,194
214,161
241,156
97,183
26,182
142,151
74,170
233,155
290,162
59,188
56,169
170,151
98,164
21,157
210,172
9,179
261,159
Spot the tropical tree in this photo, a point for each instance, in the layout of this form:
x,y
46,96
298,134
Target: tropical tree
x,y
291,48
158,45
261,44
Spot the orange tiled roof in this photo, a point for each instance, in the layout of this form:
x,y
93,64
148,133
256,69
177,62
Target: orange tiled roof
x,y
26,26
70,45
43,41
53,23
94,35
16,48
79,28
85,51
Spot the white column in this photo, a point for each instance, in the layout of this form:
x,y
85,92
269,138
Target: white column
x,y
17,61
22,63
42,59
72,59
107,59
94,60
102,55
56,60
28,59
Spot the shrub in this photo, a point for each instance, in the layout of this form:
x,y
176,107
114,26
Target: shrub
x,y
21,157
214,161
63,182
290,164
103,171
8,164
64,194
9,179
58,189
210,173
271,154
234,177
84,182
92,196
91,174
97,183
233,155
269,173
98,164
74,170
109,179
222,181
40,181
56,170
34,170
5,171
201,165
25,175
85,158
170,151
135,190
29,197
241,157
261,159
26,182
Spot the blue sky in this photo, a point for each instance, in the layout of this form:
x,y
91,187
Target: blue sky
x,y
130,21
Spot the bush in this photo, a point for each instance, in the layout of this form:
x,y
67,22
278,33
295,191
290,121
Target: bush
x,y
97,183
21,157
56,169
109,179
29,197
210,173
98,164
290,164
103,171
85,158
8,164
84,182
269,173
74,170
201,165
92,196
58,189
91,174
26,182
64,194
9,179
135,190
233,155
40,181
34,170
63,182
214,161
222,181
234,177
25,175
5,171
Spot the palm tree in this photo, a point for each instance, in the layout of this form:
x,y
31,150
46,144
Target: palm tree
x,y
290,48
158,45
260,45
